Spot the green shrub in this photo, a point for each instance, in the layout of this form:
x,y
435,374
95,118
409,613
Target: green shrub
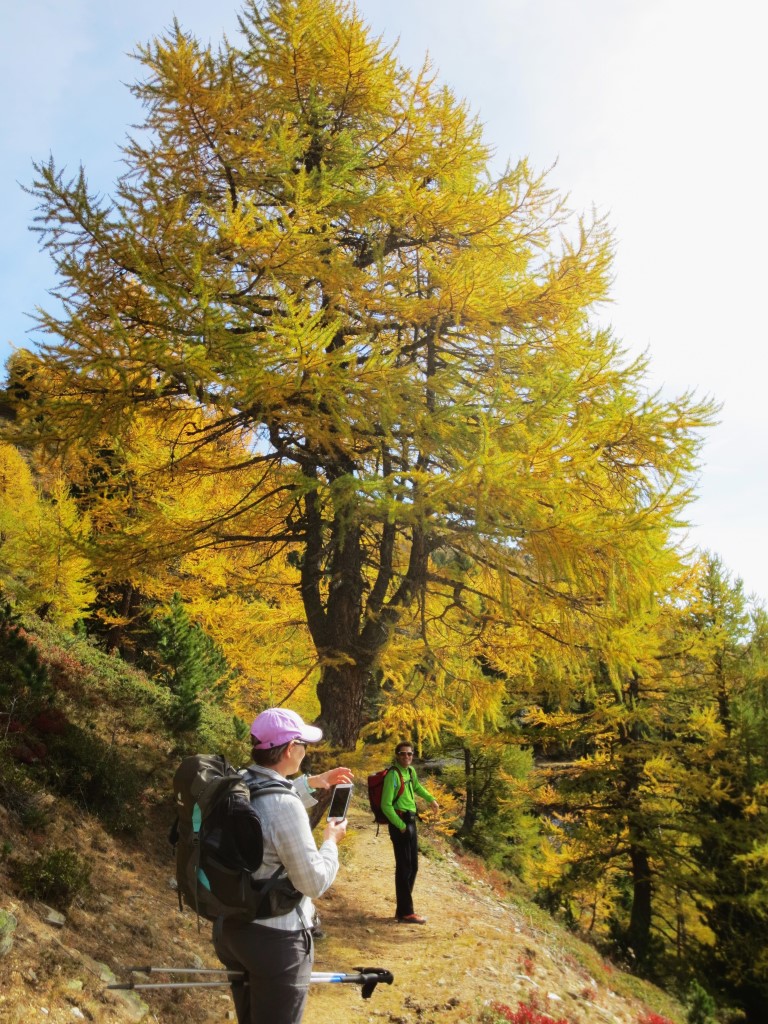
x,y
700,1005
34,812
23,678
59,877
20,792
98,777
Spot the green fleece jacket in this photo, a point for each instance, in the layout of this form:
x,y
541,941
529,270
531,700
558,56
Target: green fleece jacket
x,y
390,805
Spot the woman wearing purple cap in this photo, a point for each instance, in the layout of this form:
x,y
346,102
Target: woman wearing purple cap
x,y
276,953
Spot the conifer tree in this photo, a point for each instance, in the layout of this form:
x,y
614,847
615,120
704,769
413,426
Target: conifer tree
x,y
309,264
657,821
43,563
192,665
752,703
731,810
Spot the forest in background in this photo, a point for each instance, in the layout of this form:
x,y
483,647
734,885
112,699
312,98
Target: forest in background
x,y
319,415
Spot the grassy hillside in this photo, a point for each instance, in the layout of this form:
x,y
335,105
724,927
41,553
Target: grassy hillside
x,y
84,813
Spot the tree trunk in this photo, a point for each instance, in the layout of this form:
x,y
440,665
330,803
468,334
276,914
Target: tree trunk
x,y
639,930
316,813
341,692
470,809
115,639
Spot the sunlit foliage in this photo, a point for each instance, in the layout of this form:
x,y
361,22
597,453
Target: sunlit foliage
x,y
42,565
312,284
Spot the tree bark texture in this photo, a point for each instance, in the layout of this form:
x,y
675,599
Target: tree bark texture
x,y
639,929
341,692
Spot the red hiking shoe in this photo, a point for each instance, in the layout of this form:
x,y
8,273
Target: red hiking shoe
x,y
412,919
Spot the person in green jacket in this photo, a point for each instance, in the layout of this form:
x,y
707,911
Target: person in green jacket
x,y
400,812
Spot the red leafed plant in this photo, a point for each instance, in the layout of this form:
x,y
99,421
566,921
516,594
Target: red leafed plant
x,y
653,1018
500,1012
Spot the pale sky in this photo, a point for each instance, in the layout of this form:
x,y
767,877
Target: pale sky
x,y
652,111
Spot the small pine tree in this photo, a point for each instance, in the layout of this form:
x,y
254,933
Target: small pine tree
x,y
193,665
700,1005
497,823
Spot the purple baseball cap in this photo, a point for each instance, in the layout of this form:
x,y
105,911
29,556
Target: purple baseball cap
x,y
276,726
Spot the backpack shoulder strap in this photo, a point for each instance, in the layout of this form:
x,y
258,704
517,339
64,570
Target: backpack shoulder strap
x,y
395,768
259,785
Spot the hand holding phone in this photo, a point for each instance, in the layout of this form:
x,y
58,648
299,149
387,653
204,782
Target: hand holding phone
x,y
335,830
337,809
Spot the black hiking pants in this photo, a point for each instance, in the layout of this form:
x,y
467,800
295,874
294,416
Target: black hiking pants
x,y
406,848
278,966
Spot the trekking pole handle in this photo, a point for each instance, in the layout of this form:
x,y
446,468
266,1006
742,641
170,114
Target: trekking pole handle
x,y
370,977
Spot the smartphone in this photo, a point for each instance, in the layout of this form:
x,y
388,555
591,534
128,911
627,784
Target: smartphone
x,y
340,801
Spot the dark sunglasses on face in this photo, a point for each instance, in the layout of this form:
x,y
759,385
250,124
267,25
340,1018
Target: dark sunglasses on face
x,y
405,753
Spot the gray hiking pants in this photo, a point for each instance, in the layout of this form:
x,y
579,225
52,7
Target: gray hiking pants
x,y
277,964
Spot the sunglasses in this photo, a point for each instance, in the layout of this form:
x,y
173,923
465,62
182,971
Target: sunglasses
x,y
405,753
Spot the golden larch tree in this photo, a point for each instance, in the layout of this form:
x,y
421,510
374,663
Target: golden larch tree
x,y
309,260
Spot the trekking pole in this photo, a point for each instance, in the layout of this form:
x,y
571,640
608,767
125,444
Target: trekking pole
x,y
182,970
367,977
135,986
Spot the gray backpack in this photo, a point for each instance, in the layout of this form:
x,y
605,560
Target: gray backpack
x,y
219,842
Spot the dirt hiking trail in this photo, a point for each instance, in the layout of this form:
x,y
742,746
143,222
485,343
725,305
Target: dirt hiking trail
x,y
478,945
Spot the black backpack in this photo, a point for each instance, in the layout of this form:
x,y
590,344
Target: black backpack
x,y
219,843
